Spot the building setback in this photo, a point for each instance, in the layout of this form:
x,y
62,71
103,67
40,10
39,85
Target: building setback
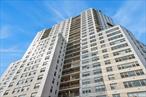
x,y
84,56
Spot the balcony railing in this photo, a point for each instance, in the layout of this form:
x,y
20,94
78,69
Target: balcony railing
x,y
69,87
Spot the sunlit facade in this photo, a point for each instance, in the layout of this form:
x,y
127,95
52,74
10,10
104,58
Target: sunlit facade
x,y
83,56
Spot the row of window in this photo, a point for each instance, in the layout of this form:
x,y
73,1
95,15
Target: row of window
x,y
113,33
113,86
96,80
132,73
136,83
119,46
17,90
137,94
23,95
94,49
99,88
128,65
121,52
94,65
124,58
95,72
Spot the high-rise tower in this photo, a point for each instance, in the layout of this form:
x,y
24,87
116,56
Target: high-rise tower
x,y
84,56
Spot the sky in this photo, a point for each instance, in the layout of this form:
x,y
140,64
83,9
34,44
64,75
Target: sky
x,y
20,20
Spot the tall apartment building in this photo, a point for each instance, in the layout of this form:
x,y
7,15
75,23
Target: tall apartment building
x,y
84,56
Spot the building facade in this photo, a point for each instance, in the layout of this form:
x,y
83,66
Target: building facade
x,y
84,56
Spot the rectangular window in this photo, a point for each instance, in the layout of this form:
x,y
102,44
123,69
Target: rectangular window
x,y
42,70
47,57
84,47
33,94
93,44
102,41
132,73
113,86
93,40
32,73
40,77
136,83
117,41
125,58
121,52
98,71
16,90
28,80
85,61
34,66
24,95
96,65
15,77
107,62
113,33
20,82
137,94
86,91
111,77
84,43
104,50
24,75
85,74
86,81
109,69
119,46
37,85
113,29
128,65
100,37
116,95
95,58
115,37
92,37
100,88
98,79
99,34
11,84
105,56
85,56
27,68
85,51
85,67
6,92
94,48
25,88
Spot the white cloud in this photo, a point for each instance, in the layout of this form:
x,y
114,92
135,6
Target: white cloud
x,y
56,12
4,32
132,15
8,55
65,9
13,49
74,7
